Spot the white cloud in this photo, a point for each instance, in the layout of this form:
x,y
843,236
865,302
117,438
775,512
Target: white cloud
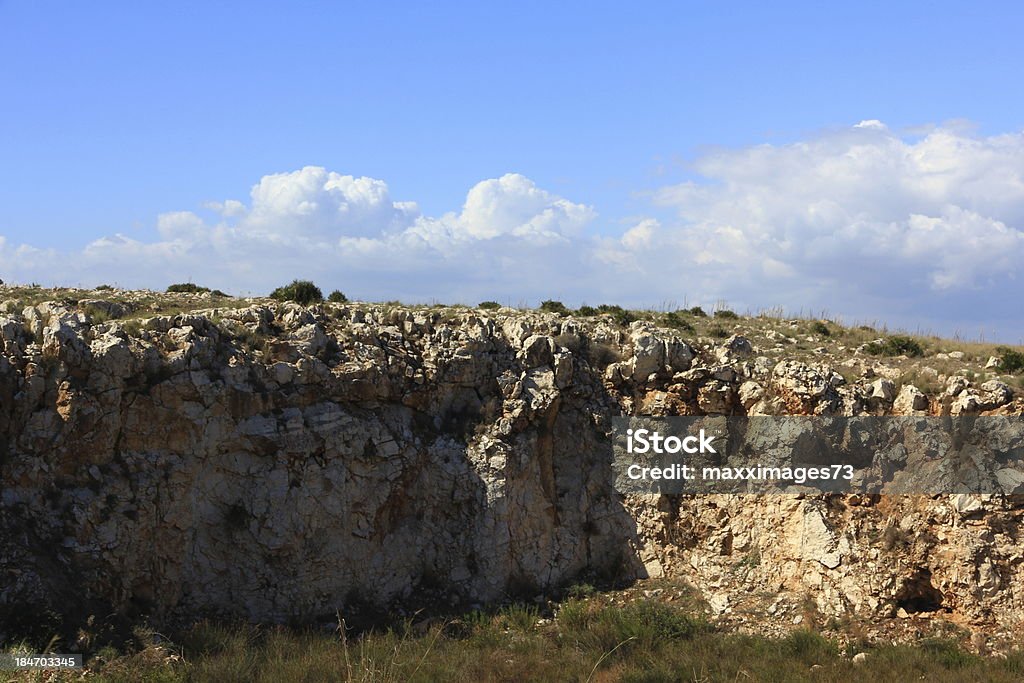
x,y
320,205
850,220
230,208
860,221
344,231
641,234
513,205
183,225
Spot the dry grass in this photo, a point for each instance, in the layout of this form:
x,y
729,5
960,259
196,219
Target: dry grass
x,y
585,639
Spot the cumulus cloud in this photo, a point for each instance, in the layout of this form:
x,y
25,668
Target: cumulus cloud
x,y
314,204
513,205
853,220
863,221
181,225
347,231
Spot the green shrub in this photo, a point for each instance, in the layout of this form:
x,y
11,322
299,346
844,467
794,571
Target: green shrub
x,y
1010,360
554,307
819,327
675,320
96,315
896,345
245,337
726,314
620,315
97,288
489,305
718,332
698,312
571,342
586,311
602,355
187,288
580,591
336,297
300,291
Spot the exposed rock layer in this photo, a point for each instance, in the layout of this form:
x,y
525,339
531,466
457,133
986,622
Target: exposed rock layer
x,y
278,462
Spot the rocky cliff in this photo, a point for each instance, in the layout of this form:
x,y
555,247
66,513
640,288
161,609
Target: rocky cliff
x,y
276,462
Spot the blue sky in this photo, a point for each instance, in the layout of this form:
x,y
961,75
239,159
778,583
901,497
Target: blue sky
x,y
115,114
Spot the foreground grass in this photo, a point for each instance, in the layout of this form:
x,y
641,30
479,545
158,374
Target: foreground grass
x,y
586,640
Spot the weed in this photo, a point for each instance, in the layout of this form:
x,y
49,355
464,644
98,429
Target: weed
x,y
750,560
820,328
587,640
947,653
602,355
896,345
620,315
808,646
572,342
895,537
550,306
581,590
520,617
675,320
643,624
96,315
133,327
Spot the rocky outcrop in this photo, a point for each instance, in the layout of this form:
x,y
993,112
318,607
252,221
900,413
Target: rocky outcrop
x,y
280,462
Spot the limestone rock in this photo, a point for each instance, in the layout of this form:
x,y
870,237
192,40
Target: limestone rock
x,y
537,350
648,355
809,388
910,401
750,393
883,390
272,461
736,347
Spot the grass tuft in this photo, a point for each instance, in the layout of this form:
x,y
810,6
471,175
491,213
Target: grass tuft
x,y
896,345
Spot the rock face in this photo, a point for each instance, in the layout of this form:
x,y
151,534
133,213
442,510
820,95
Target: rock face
x,y
278,462
358,455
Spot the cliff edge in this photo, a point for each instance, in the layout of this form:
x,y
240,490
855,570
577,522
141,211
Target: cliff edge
x,y
187,456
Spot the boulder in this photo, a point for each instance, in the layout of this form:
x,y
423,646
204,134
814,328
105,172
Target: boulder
x,y
910,401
